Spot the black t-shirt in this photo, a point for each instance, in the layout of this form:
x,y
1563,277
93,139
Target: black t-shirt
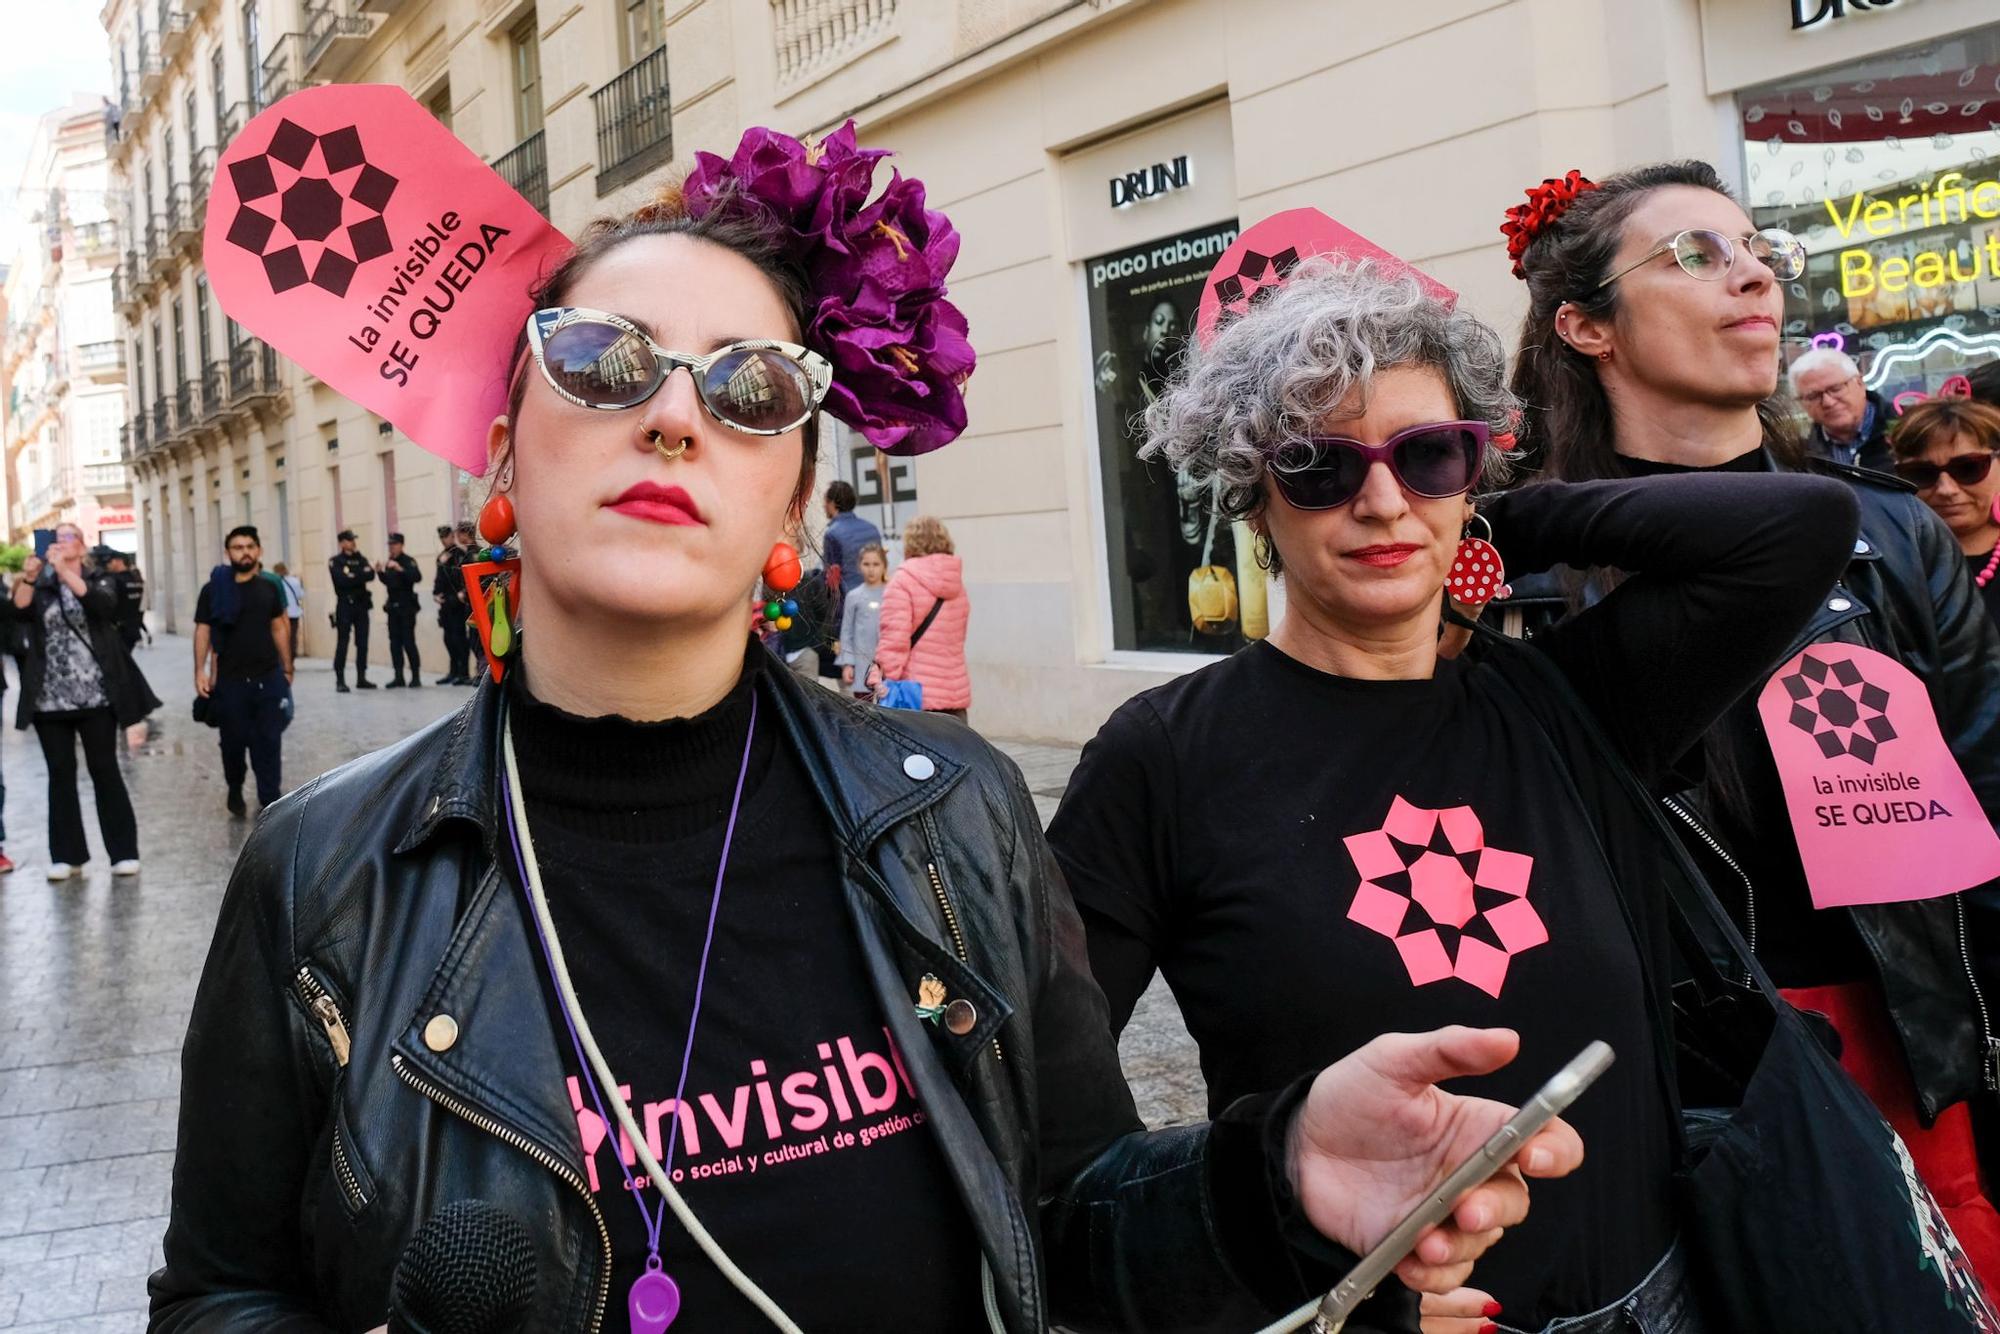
x,y
1313,860
1991,593
802,1147
245,650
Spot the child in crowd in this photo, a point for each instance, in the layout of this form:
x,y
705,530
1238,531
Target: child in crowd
x,y
861,622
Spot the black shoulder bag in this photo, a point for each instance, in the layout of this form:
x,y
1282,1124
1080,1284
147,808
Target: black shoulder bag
x,y
1798,1206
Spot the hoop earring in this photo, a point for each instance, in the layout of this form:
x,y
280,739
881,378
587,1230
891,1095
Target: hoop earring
x,y
1477,576
493,611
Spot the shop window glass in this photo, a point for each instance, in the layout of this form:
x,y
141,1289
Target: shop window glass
x,y
1182,580
1889,168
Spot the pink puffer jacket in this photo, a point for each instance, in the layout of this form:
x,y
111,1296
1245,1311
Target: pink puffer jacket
x,y
939,657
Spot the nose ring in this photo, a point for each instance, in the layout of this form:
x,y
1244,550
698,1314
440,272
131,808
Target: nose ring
x,y
657,442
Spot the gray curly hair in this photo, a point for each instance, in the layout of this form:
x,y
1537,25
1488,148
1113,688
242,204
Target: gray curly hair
x,y
1275,374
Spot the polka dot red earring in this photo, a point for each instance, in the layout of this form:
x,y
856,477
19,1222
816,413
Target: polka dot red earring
x,y
1477,576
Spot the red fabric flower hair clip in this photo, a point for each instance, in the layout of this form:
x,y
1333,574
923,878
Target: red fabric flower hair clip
x,y
1547,202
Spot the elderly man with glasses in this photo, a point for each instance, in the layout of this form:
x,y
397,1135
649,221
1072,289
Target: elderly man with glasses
x,y
1850,422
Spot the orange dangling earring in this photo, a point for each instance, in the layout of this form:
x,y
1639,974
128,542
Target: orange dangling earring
x,y
491,611
782,573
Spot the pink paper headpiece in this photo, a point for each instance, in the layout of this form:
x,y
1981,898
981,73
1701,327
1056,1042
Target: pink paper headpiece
x,y
1262,258
351,231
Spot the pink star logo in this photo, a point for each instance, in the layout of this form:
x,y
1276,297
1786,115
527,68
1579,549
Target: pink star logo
x,y
1429,882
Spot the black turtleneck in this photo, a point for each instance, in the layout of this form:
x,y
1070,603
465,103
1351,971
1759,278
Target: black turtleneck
x,y
802,1145
1799,945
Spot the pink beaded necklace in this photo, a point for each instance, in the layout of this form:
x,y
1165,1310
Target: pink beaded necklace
x,y
1985,576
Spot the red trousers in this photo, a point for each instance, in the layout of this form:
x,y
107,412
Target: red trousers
x,y
1944,1154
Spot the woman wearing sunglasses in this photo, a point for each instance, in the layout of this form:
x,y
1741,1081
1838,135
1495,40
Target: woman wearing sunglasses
x,y
1946,449
739,999
1650,350
1338,833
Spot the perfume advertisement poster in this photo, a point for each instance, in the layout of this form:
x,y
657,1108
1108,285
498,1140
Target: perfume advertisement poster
x,y
1182,580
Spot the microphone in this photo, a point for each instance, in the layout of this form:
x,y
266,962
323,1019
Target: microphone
x,y
469,1270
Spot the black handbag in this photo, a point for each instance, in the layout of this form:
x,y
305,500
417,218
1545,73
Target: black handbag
x,y
1799,1207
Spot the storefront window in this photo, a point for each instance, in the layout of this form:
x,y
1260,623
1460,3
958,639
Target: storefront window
x,y
1890,170
1182,580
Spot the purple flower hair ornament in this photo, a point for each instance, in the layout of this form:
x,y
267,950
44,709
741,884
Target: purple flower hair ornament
x,y
876,269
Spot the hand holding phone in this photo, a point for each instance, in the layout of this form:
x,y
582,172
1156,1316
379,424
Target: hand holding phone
x,y
1377,1139
1548,1103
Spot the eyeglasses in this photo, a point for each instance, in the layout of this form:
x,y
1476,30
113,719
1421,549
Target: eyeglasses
x,y
1436,460
1821,395
596,360
1709,255
1965,469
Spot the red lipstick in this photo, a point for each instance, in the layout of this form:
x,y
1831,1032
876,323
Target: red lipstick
x,y
1385,555
658,504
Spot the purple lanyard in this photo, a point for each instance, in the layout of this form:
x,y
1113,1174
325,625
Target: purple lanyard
x,y
654,1300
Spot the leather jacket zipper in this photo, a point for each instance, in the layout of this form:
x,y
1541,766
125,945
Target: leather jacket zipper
x,y
519,1141
1709,840
325,1009
1989,1063
950,914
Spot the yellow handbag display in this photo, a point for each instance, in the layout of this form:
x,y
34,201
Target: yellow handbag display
x,y
1212,591
1212,600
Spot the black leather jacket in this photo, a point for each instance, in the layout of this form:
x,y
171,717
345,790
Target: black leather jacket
x,y
319,1126
1905,593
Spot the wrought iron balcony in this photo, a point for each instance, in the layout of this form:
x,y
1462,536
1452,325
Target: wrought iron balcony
x,y
113,117
635,130
183,219
526,168
132,437
187,406
214,389
151,68
234,119
159,251
201,170
336,30
173,27
284,71
162,425
253,372
128,282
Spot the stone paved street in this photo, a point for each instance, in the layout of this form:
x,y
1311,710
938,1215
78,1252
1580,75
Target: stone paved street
x,y
96,978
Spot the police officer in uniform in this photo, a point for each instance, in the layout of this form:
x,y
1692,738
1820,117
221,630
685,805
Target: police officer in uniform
x,y
351,600
448,591
401,578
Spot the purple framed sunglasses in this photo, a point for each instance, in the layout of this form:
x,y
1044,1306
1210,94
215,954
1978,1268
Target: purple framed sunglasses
x,y
1435,460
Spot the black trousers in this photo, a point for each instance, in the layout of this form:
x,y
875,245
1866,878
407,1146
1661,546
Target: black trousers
x,y
253,720
355,620
119,828
403,640
457,640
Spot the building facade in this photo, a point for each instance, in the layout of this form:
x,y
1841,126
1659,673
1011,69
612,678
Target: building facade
x,y
1097,155
63,366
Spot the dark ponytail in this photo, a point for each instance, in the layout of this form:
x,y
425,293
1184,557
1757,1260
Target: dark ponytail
x,y
1566,425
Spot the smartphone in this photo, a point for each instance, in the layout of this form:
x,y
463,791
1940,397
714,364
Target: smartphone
x,y
44,539
1547,1104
